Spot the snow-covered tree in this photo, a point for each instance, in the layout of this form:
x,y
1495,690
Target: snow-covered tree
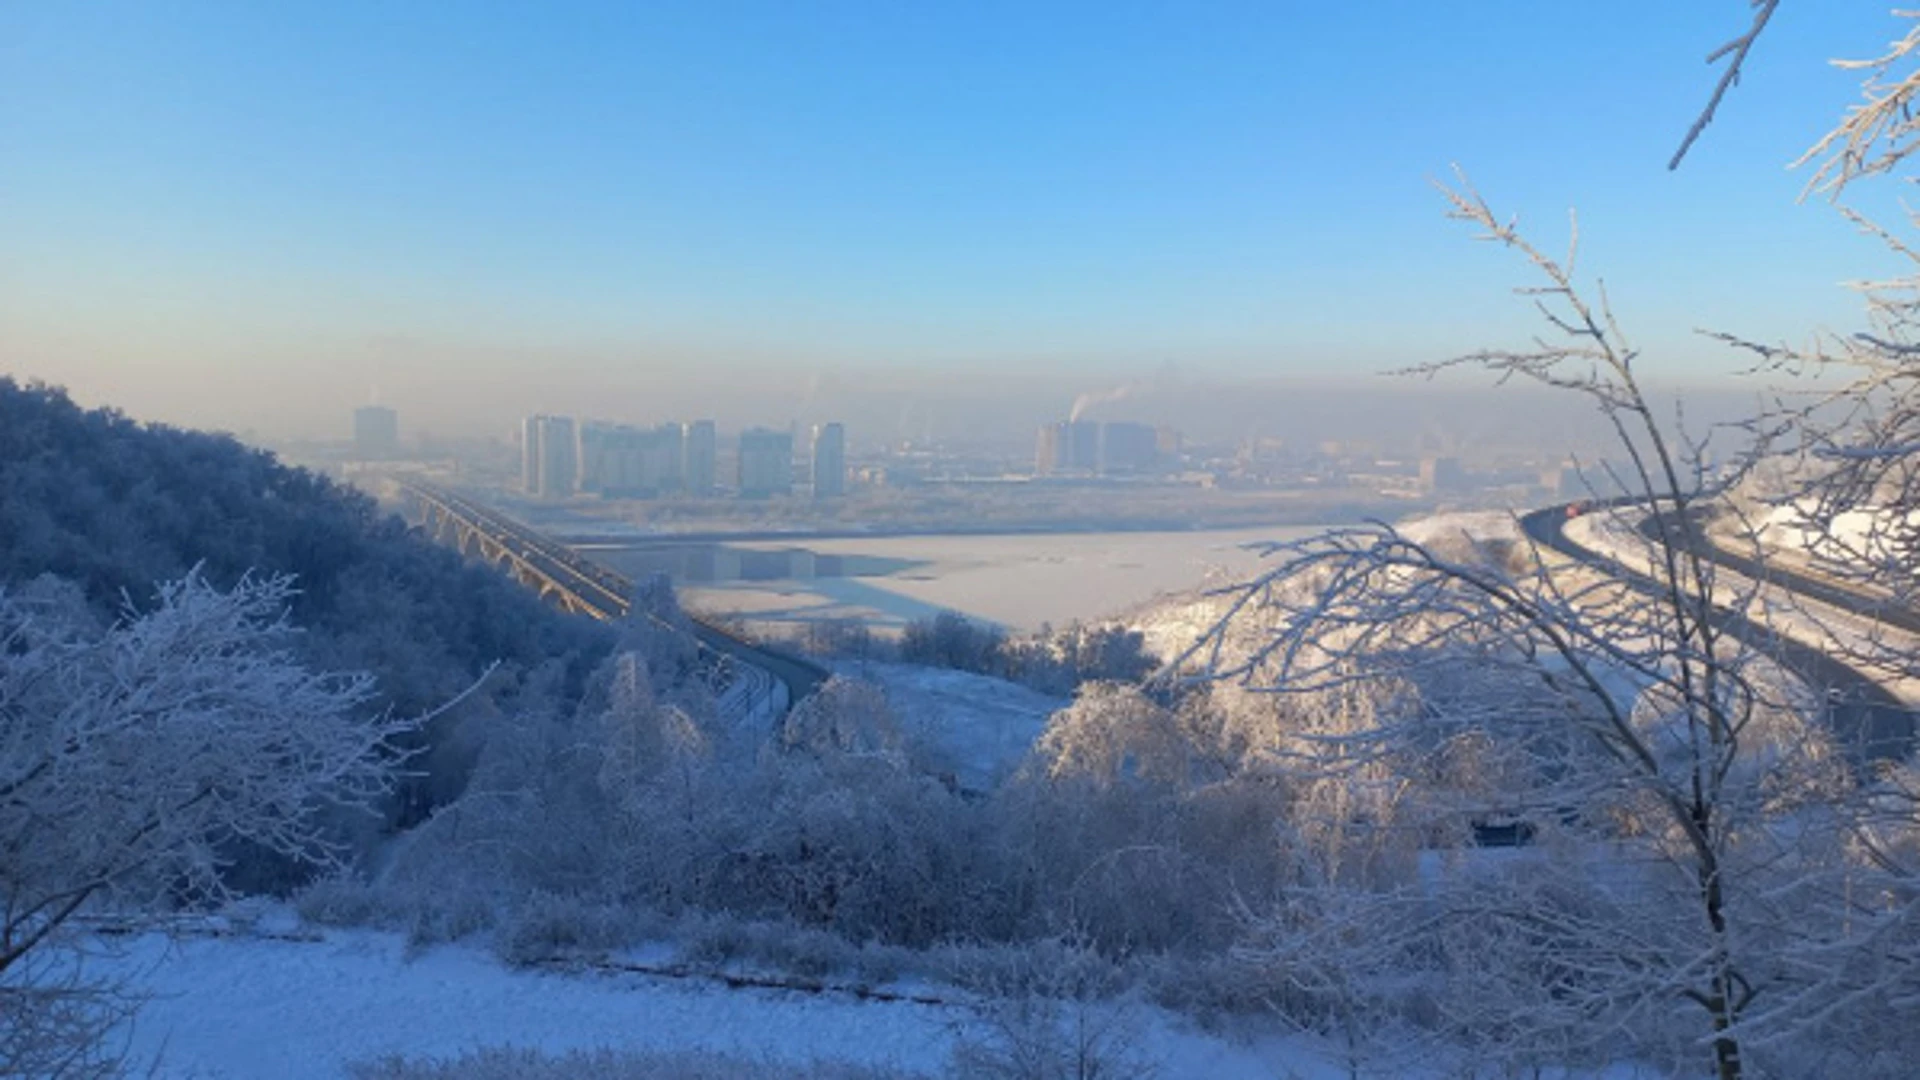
x,y
135,759
1848,497
1850,494
846,716
1114,733
1618,715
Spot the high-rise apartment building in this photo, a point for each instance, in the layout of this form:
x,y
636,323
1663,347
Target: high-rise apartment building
x,y
662,461
559,457
766,463
626,461
530,454
1066,446
376,431
605,467
549,456
1046,453
1127,448
700,452
829,461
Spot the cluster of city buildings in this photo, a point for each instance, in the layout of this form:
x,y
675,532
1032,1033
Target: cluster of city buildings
x,y
1103,449
560,457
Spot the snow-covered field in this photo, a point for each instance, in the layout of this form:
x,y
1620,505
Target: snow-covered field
x,y
236,1006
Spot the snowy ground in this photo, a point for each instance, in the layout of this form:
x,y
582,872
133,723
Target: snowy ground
x,y
1784,531
985,724
1480,525
229,1007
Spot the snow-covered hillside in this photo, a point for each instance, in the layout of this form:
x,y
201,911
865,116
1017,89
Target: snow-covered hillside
x,y
982,725
1173,622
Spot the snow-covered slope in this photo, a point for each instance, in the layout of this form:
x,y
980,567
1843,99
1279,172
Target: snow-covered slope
x,y
1172,623
1478,525
982,725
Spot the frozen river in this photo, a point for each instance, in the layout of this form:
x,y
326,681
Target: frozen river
x,y
1018,581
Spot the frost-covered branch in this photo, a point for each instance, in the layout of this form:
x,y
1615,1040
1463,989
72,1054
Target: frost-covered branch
x,y
1734,53
134,760
1876,135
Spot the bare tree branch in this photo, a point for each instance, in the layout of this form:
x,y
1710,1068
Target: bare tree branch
x,y
1734,53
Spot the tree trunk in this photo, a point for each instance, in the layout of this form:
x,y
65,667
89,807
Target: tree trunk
x,y
1721,1004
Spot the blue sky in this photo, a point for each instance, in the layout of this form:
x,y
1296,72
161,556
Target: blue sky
x,y
238,207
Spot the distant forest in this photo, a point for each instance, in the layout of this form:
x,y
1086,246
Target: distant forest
x,y
115,506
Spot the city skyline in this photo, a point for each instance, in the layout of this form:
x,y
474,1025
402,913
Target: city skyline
x,y
564,456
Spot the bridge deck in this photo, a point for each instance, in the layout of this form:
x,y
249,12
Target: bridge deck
x,y
596,590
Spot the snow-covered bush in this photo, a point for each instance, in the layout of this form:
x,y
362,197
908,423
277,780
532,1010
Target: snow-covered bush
x,y
1059,661
1116,734
1135,824
134,757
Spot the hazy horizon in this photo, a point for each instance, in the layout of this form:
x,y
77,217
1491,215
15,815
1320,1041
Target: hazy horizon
x,y
255,221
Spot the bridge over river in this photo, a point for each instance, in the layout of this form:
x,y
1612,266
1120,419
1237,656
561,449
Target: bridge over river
x,y
750,680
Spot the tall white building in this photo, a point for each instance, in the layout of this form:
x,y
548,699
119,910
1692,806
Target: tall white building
x,y
623,460
829,459
701,453
549,456
661,460
602,458
530,454
766,462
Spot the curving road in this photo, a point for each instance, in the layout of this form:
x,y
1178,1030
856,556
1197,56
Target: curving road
x,y
1825,590
1871,723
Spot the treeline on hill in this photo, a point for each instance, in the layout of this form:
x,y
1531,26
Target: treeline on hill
x,y
115,507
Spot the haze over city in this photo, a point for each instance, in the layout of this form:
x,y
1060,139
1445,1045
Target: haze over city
x,y
470,217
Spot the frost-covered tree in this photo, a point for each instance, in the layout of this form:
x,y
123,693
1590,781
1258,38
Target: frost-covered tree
x,y
1851,494
1618,715
1117,734
1848,497
845,716
135,758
